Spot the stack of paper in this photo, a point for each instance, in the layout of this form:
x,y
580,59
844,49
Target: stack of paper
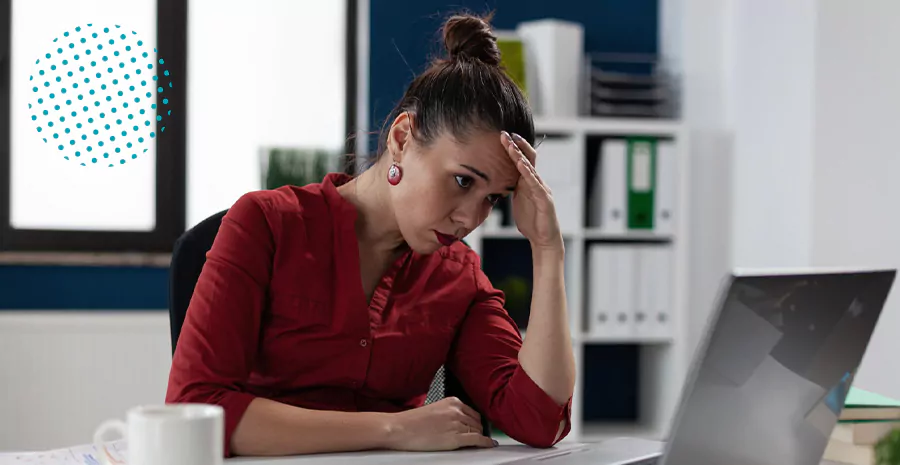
x,y
79,455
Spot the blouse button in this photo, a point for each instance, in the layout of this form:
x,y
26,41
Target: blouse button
x,y
363,342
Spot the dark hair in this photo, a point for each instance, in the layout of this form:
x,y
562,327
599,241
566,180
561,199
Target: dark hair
x,y
465,92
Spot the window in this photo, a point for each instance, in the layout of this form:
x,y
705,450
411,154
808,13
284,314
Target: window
x,y
261,74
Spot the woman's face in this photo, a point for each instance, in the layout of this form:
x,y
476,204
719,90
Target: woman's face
x,y
449,187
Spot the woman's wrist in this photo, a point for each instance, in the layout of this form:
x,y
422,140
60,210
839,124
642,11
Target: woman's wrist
x,y
548,252
387,428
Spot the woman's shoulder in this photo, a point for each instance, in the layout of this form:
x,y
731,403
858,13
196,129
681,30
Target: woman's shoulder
x,y
309,200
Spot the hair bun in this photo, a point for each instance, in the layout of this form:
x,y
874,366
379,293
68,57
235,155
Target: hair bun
x,y
471,36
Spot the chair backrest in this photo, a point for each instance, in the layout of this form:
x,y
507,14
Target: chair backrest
x,y
188,258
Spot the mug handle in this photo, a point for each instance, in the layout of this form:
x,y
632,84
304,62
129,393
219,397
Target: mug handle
x,y
116,425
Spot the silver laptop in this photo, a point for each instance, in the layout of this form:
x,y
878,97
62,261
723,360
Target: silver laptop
x,y
768,381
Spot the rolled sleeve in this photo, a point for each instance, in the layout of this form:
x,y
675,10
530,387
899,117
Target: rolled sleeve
x,y
484,358
217,345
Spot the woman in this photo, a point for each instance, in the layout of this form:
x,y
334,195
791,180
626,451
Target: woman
x,y
324,311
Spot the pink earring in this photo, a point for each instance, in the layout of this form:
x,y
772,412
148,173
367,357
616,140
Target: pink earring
x,y
394,174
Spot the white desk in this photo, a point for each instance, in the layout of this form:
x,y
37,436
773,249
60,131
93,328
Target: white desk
x,y
84,455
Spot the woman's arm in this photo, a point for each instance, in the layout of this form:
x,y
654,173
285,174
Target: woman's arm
x,y
546,353
271,428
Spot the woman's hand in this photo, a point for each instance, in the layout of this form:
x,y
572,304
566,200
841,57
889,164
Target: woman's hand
x,y
533,209
447,424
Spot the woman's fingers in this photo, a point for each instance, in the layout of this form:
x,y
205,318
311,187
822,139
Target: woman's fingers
x,y
525,148
527,172
470,412
468,425
475,440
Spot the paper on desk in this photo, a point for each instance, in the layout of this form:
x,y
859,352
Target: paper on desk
x,y
79,455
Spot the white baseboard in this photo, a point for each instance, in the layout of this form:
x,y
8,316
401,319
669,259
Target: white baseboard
x,y
63,372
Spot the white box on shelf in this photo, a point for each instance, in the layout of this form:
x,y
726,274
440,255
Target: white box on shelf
x,y
558,164
554,53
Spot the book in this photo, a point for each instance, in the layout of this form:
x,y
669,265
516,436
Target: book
x,y
861,405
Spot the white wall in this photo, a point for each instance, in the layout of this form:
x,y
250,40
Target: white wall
x,y
857,167
693,42
65,372
798,99
771,94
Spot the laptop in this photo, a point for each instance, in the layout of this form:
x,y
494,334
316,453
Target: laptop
x,y
768,382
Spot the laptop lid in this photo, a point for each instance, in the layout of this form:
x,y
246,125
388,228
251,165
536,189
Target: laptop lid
x,y
769,379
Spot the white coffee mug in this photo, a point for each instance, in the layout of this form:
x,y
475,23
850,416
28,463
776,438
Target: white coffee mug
x,y
171,434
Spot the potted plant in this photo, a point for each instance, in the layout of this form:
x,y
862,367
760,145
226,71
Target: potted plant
x,y
281,166
887,449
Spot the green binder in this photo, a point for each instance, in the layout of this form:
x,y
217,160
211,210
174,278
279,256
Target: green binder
x,y
512,59
641,182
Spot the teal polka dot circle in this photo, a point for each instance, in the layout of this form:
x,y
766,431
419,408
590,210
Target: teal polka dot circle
x,y
60,69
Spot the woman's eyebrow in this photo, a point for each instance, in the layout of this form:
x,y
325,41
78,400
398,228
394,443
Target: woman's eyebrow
x,y
484,176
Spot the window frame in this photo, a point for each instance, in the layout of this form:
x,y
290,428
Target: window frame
x,y
171,192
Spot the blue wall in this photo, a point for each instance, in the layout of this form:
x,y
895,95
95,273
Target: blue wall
x,y
408,30
41,287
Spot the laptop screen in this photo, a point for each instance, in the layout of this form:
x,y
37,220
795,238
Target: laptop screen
x,y
769,382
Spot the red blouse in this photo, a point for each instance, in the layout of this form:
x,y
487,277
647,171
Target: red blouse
x,y
279,312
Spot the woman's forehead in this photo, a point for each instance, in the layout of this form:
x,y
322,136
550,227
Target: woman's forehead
x,y
483,151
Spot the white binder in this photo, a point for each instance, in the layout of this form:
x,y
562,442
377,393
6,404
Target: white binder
x,y
624,291
666,187
611,297
559,165
600,282
653,309
609,199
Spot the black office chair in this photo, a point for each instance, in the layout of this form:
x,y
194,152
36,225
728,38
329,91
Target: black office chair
x,y
188,258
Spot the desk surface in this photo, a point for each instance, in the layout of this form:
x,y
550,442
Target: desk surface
x,y
84,455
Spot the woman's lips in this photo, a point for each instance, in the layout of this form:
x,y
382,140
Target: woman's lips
x,y
445,239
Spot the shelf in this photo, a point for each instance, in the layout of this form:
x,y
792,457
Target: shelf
x,y
644,340
608,126
594,234
502,233
647,236
512,233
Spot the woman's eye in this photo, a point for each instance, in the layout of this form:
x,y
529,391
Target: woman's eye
x,y
463,181
494,198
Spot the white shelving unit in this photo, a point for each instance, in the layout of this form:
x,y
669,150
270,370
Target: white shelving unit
x,y
662,360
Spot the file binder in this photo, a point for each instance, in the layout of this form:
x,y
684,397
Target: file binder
x,y
600,279
666,183
641,182
654,296
611,297
624,291
608,200
558,165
